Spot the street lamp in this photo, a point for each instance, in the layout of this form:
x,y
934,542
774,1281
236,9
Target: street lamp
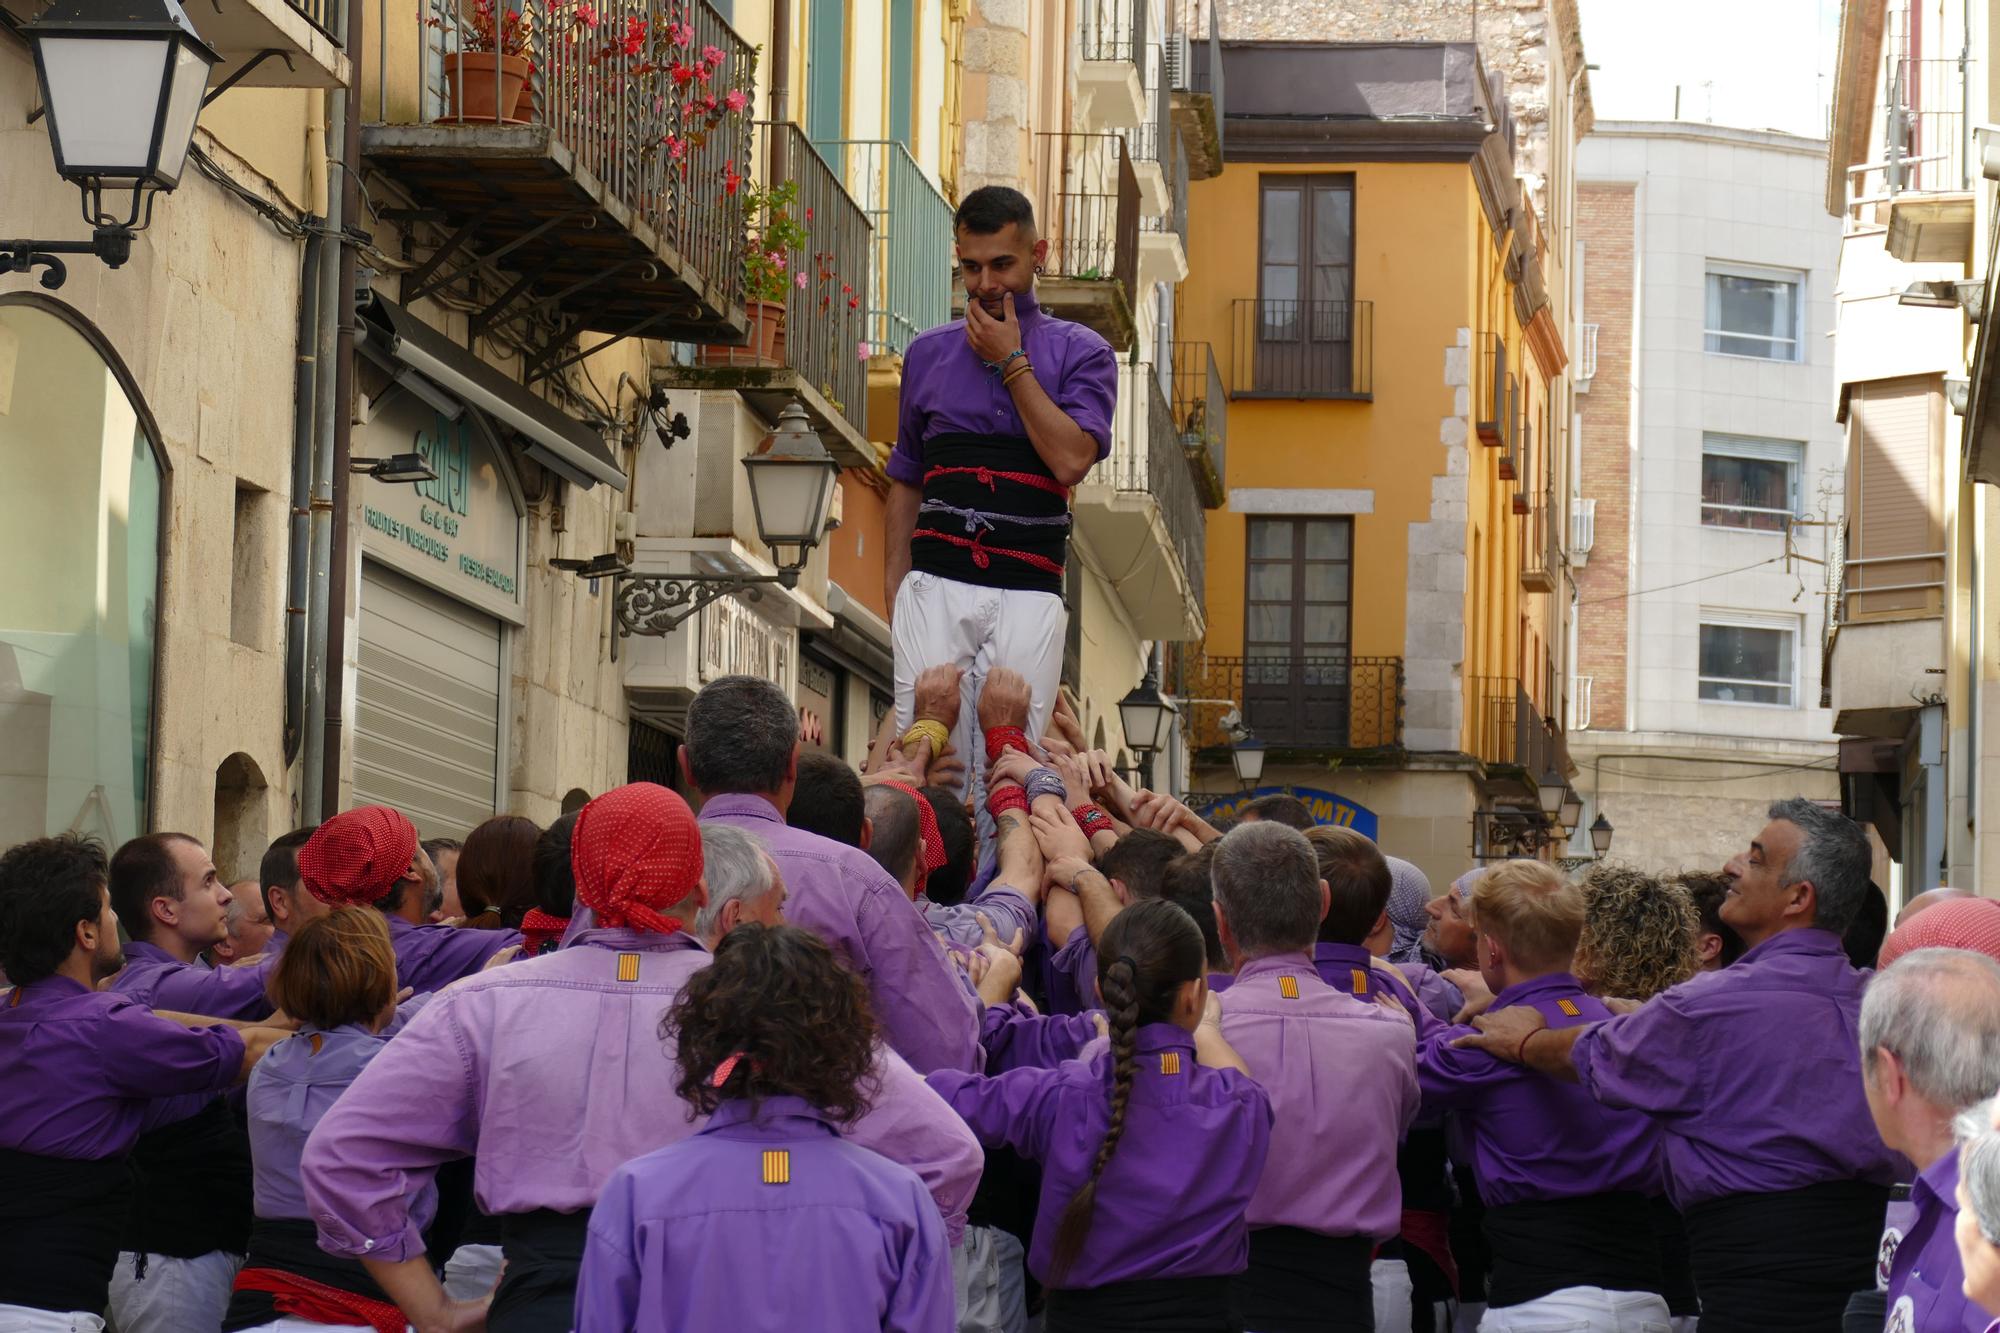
x,y
1248,756
122,84
1600,835
1549,789
792,480
1572,809
395,467
1146,714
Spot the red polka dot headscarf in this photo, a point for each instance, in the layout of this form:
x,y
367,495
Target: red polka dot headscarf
x,y
358,855
636,851
1963,923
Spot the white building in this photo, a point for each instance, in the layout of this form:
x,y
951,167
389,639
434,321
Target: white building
x,y
1711,460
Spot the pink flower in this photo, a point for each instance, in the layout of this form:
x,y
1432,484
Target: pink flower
x,y
861,350
736,101
586,15
713,55
800,279
777,258
681,34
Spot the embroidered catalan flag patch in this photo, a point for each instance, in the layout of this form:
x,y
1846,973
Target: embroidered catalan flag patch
x,y
1569,1007
1360,981
628,967
1288,987
777,1166
1170,1062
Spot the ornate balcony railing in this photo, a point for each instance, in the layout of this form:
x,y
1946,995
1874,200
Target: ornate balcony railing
x,y
1292,703
1302,349
1505,728
1201,413
1113,29
909,287
1088,201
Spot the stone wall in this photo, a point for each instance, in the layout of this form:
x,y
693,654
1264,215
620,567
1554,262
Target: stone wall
x,y
996,96
1434,622
1605,230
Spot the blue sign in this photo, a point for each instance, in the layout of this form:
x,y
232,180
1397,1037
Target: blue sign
x,y
1326,807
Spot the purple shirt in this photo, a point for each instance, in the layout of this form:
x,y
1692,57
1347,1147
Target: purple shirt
x,y
947,391
1443,999
551,1072
720,1231
1340,1072
1008,909
1017,1039
1532,1137
1753,1073
1072,979
864,915
88,1071
1352,970
429,958
1926,1275
291,1090
158,980
1171,1201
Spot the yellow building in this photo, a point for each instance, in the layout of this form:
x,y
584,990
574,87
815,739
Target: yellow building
x,y
1387,590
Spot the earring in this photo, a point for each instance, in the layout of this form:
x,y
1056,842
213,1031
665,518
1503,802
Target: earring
x,y
1041,270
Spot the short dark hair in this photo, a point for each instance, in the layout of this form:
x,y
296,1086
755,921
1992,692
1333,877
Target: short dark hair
x,y
280,867
1280,807
1139,861
47,886
1357,881
991,207
436,847
1863,937
897,839
1708,888
555,878
827,800
142,870
1189,886
741,733
949,882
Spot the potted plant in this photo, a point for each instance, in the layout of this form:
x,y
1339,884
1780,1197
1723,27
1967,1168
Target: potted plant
x,y
774,238
489,70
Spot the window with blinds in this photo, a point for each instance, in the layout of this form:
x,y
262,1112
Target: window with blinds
x,y
1895,551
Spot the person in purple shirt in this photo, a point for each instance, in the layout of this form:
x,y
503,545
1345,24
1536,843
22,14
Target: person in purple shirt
x,y
1930,1048
1150,1147
370,856
174,906
741,756
1002,412
775,1046
88,1072
1753,1074
1342,1076
549,1072
287,901
1565,1180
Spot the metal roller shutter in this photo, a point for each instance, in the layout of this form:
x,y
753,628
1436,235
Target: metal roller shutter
x,y
427,705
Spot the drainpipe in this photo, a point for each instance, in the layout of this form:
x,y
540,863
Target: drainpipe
x,y
298,541
314,806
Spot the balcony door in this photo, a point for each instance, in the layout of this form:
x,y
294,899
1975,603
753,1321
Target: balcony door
x,y
1297,630
1305,286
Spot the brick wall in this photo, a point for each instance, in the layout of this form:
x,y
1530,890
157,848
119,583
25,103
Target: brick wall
x,y
1605,228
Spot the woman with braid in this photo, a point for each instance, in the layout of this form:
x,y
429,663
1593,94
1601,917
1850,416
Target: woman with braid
x,y
1162,1136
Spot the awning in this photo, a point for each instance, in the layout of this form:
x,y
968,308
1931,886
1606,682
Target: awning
x,y
556,440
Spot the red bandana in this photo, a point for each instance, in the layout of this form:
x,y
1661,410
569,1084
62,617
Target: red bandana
x,y
357,856
1963,923
539,928
636,851
927,827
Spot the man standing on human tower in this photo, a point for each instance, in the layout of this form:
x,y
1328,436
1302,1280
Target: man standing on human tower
x,y
1002,412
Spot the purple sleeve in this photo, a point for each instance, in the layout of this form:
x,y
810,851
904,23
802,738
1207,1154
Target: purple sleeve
x,y
217,992
1649,1060
931,1019
1427,1023
1449,1077
1008,909
910,1124
906,460
1089,390
607,1284
146,1056
413,1108
922,1301
1019,1109
1016,1040
1073,974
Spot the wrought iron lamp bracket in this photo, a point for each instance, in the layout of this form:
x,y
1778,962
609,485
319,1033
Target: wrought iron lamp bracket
x,y
658,604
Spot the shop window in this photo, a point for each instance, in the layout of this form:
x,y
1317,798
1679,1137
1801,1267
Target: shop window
x,y
81,502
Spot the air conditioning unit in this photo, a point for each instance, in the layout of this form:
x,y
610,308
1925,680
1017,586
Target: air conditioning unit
x,y
1174,59
1582,531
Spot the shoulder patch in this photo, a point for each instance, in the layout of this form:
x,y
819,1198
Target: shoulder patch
x,y
628,967
777,1166
1170,1062
1360,981
1569,1007
1288,987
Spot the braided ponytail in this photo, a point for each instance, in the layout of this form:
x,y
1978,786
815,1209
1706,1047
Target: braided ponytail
x,y
1153,948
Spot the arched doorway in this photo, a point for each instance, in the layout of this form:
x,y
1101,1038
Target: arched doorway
x,y
242,818
82,501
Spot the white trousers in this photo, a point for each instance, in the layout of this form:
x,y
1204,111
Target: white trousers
x,y
175,1295
288,1324
24,1319
989,1294
1390,1279
1582,1310
473,1271
942,622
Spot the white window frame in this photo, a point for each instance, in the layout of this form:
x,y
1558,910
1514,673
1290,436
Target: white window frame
x,y
1792,453
1791,625
1797,279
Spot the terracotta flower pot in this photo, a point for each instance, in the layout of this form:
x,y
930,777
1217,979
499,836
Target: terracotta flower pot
x,y
767,339
481,82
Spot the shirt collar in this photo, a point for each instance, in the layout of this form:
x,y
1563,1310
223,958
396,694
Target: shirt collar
x,y
398,925
1162,1037
1354,955
144,951
1300,961
1801,939
1537,988
1941,1179
624,940
1026,307
777,1116
740,805
52,986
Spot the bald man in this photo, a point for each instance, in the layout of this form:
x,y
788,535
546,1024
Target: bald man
x,y
1931,898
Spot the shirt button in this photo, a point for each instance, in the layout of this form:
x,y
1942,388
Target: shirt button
x,y
367,1244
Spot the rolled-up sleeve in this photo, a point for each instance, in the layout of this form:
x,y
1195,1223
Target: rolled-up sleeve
x,y
413,1108
1088,393
910,1124
1648,1060
906,460
928,1016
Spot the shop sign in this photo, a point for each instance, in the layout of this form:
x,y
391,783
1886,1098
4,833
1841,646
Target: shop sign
x,y
1325,806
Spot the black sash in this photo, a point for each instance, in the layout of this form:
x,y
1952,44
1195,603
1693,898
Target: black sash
x,y
1149,1305
1785,1262
195,1194
61,1217
291,1245
1676,1273
544,1253
1544,1245
1025,518
1302,1282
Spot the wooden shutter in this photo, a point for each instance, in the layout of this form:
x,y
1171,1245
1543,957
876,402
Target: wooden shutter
x,y
1895,499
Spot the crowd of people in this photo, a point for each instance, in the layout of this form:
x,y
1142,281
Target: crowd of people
x,y
828,1050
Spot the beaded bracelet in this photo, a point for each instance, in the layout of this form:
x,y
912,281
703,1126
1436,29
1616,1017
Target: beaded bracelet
x,y
927,729
1004,798
1046,782
1001,739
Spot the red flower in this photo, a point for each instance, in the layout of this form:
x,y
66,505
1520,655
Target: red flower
x,y
809,215
713,55
853,303
731,182
736,101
